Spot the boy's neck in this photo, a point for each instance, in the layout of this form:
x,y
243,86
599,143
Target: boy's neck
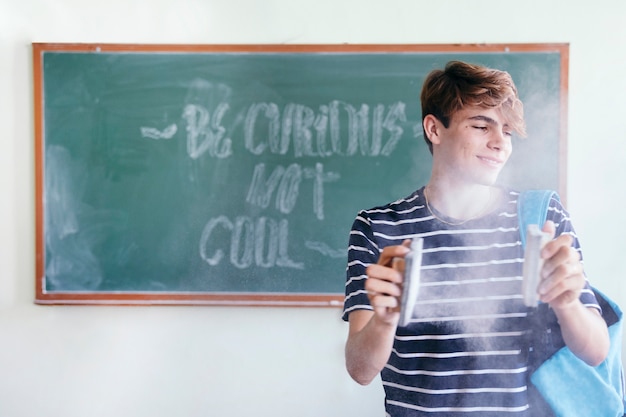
x,y
461,202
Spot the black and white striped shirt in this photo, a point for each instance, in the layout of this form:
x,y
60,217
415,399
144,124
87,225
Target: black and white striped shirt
x,y
465,350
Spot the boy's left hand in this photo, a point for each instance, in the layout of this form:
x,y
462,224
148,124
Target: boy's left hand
x,y
562,277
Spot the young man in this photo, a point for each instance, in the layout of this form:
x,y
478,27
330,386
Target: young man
x,y
465,351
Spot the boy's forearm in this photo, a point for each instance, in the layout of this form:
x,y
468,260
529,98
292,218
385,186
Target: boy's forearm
x,y
584,331
368,350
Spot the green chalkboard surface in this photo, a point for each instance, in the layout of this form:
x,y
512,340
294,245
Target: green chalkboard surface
x,y
232,174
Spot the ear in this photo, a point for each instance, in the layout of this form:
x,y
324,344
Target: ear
x,y
432,127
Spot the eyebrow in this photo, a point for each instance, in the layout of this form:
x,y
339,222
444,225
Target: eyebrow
x,y
484,119
488,120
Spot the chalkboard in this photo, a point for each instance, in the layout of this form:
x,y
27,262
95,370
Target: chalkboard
x,y
231,174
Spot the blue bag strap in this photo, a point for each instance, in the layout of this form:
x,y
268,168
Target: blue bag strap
x,y
532,208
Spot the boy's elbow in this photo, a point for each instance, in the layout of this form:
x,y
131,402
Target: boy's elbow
x,y
357,374
599,354
595,360
359,366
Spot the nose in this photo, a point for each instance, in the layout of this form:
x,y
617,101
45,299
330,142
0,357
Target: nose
x,y
499,140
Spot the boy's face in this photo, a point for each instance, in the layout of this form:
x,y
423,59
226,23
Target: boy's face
x,y
475,147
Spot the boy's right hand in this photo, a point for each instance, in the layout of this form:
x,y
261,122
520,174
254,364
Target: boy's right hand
x,y
384,282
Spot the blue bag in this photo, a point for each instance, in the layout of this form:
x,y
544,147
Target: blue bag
x,y
569,386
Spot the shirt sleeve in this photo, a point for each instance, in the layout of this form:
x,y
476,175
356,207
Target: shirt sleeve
x,y
362,252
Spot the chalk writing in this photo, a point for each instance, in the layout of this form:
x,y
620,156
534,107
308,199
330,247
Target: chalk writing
x,y
262,242
324,249
319,135
153,133
286,183
319,178
295,130
205,132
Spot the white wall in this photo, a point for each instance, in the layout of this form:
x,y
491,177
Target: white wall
x,y
211,361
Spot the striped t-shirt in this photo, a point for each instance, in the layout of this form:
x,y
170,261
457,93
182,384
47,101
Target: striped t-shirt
x,y
465,350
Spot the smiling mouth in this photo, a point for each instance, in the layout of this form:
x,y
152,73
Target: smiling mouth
x,y
491,161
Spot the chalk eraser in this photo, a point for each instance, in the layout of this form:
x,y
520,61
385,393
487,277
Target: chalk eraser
x,y
411,282
535,240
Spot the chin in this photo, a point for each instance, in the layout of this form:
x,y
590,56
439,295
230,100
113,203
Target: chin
x,y
491,178
488,182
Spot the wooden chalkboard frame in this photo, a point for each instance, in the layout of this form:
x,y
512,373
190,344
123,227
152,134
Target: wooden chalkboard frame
x,y
42,296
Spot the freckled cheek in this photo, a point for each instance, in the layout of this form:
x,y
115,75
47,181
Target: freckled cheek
x,y
466,145
463,151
